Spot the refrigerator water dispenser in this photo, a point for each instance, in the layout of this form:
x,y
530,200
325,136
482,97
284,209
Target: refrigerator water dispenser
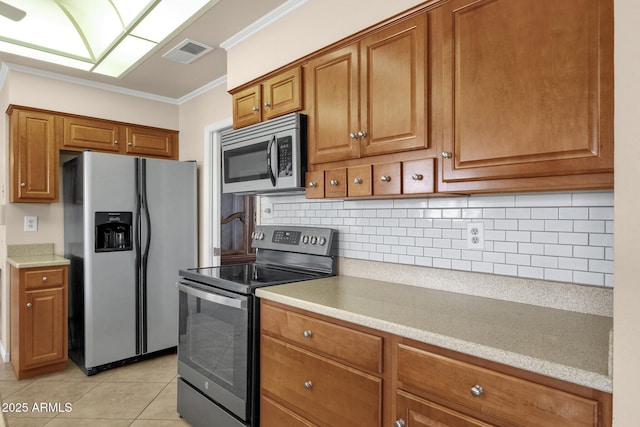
x,y
113,231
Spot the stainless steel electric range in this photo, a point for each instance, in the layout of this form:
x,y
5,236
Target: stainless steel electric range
x,y
218,347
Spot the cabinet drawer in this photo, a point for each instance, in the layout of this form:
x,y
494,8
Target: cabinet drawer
x,y
335,183
416,412
418,176
46,276
514,400
386,179
319,388
346,345
314,185
272,414
359,181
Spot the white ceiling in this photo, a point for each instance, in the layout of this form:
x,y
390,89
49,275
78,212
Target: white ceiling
x,y
164,78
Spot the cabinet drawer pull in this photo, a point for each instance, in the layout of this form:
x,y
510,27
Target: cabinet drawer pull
x,y
446,154
357,181
266,104
477,390
307,334
417,177
23,184
308,385
29,305
45,278
334,182
130,144
399,423
116,142
255,109
385,178
313,184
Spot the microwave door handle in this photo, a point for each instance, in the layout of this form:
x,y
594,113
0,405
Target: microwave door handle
x,y
272,176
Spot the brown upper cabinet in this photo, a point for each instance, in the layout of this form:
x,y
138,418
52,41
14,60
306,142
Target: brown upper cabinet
x,y
527,94
369,97
33,156
275,96
37,136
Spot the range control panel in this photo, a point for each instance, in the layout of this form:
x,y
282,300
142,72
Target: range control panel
x,y
310,240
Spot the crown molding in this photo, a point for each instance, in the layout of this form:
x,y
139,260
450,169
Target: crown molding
x,y
6,67
262,23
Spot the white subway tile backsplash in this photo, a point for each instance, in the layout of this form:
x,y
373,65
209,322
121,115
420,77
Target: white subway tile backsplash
x,y
564,237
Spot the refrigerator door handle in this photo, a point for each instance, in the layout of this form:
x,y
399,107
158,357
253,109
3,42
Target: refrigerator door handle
x,y
145,252
138,249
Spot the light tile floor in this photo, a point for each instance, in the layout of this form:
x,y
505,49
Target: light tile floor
x,y
142,394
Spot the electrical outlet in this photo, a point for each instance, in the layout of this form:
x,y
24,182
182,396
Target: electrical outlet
x,y
30,223
475,235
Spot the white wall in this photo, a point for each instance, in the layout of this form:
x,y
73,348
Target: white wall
x,y
626,369
195,115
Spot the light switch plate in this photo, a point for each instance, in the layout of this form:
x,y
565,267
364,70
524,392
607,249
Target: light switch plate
x,y
30,223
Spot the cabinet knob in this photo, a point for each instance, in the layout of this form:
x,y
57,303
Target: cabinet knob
x,y
255,109
357,181
353,135
23,184
417,177
45,278
308,385
266,104
362,134
385,178
399,423
334,182
29,305
130,144
477,390
446,154
116,142
313,184
307,334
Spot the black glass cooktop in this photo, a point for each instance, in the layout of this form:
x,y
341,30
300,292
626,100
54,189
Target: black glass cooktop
x,y
245,278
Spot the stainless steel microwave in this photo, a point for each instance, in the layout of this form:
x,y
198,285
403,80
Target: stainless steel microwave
x,y
265,157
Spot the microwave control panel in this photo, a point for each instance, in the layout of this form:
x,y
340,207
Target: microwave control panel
x,y
285,156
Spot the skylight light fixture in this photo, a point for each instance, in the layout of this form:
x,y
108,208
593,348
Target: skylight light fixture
x,y
104,36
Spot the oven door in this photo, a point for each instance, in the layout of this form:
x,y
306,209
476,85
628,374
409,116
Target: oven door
x,y
215,349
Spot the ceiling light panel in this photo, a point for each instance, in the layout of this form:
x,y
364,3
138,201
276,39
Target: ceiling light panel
x,y
168,16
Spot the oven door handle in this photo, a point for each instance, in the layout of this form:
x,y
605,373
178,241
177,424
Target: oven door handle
x,y
213,297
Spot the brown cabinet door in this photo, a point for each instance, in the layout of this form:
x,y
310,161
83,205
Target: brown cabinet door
x,y
144,141
247,105
331,91
529,88
412,411
282,94
44,329
33,157
90,134
393,89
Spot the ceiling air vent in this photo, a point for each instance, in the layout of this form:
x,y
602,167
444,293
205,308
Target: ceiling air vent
x,y
187,51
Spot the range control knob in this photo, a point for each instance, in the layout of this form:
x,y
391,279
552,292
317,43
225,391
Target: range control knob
x,y
322,241
260,236
314,240
305,239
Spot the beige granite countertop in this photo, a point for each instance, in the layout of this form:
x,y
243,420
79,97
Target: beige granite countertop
x,y
34,255
567,345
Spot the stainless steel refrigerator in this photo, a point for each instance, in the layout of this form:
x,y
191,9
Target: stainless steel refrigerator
x,y
129,225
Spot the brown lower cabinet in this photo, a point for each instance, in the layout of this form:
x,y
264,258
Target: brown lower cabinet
x,y
324,372
38,320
